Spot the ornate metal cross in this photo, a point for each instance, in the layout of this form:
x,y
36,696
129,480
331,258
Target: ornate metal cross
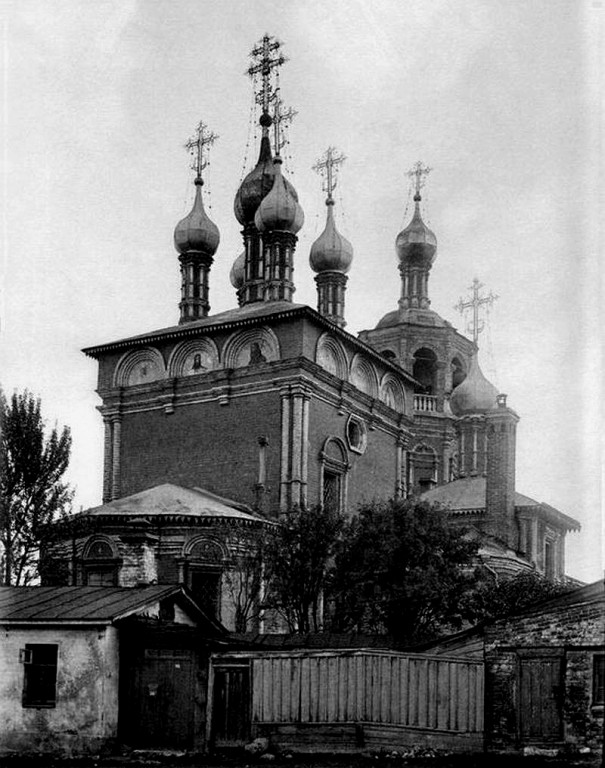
x,y
419,171
327,167
203,138
475,302
266,58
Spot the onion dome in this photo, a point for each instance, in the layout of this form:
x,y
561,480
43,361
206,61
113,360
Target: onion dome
x,y
331,252
279,210
196,232
257,185
238,271
475,394
416,241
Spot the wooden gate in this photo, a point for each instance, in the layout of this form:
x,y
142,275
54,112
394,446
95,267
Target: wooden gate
x,y
231,705
540,697
159,703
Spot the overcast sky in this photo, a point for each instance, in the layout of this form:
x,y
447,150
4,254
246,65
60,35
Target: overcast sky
x,y
501,99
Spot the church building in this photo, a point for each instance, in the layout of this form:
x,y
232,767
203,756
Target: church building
x,y
218,425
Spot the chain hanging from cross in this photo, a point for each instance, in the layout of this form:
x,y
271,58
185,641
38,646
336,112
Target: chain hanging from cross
x,y
327,167
419,171
281,116
196,144
476,325
266,57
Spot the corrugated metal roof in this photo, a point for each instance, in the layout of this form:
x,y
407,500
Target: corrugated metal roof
x,y
77,604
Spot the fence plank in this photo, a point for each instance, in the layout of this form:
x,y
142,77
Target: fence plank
x,y
388,689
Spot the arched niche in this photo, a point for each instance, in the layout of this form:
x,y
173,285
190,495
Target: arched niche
x,y
331,356
204,549
100,548
193,358
424,370
251,347
391,393
363,376
139,367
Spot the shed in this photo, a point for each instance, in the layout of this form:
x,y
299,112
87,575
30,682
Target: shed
x,y
86,667
545,673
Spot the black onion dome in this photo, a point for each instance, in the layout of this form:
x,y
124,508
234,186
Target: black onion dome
x,y
257,185
196,232
416,241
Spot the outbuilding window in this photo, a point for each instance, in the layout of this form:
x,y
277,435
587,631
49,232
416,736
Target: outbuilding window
x,y
598,680
40,675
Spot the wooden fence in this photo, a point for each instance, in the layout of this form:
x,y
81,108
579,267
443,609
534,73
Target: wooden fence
x,y
384,693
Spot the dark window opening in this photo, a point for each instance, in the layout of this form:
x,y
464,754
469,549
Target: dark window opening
x,y
206,587
40,675
598,679
100,575
425,372
331,491
549,559
458,372
425,464
389,354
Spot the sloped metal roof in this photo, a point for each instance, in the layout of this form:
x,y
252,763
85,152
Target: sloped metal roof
x,y
467,494
87,605
175,501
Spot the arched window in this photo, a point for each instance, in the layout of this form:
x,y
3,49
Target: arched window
x,y
425,371
424,468
388,354
100,563
458,372
333,473
204,571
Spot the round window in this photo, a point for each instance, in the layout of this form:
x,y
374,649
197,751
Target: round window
x,y
357,435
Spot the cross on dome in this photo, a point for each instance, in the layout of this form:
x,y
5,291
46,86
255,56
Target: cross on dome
x,y
202,138
281,115
327,167
476,301
419,171
266,57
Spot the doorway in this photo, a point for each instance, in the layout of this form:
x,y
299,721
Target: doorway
x,y
540,698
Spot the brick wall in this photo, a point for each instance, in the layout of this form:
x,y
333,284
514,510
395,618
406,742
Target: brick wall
x,y
372,475
572,633
500,476
206,444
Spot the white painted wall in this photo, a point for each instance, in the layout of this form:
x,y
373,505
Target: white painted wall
x,y
86,711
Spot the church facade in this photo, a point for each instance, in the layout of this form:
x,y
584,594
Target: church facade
x,y
222,423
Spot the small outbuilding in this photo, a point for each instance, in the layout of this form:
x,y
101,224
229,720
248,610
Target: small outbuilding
x,y
545,673
84,668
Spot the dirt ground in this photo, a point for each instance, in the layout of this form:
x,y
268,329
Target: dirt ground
x,y
435,760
